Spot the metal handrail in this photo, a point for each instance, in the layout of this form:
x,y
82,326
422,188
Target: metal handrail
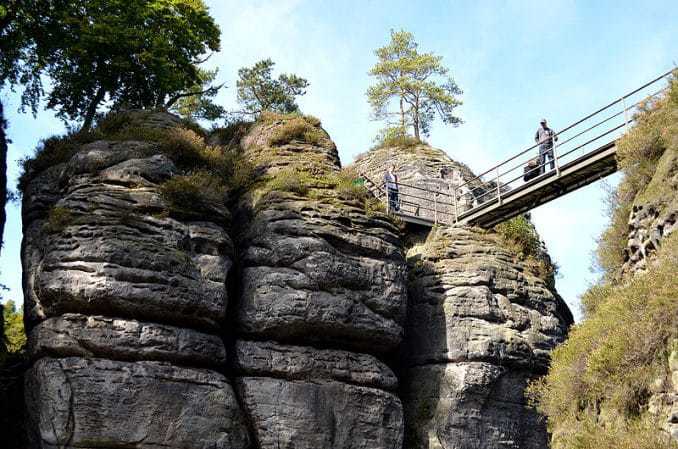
x,y
572,125
495,188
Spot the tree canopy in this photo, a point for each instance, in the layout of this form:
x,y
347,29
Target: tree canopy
x,y
418,84
258,91
14,337
122,53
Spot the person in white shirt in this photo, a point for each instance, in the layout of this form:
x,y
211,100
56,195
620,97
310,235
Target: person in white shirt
x,y
391,183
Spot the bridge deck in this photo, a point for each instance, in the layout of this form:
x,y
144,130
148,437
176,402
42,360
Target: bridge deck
x,y
582,171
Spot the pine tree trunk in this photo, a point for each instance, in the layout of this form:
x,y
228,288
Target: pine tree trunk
x,y
3,174
402,115
415,119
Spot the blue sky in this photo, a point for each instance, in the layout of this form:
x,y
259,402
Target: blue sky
x,y
516,62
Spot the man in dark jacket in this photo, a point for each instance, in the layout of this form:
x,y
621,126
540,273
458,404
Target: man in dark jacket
x,y
545,138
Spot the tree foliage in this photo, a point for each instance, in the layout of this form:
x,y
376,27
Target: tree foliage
x,y
417,82
14,336
200,104
125,53
259,92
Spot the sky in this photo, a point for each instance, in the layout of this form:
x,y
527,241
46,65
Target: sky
x,y
515,61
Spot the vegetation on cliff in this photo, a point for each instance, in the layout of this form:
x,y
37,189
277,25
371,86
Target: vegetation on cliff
x,y
598,392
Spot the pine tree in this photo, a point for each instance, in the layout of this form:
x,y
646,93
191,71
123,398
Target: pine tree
x,y
417,82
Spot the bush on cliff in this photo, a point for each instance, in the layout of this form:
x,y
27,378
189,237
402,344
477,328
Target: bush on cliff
x,y
185,145
598,390
520,236
639,153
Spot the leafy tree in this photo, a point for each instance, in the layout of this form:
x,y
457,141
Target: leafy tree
x,y
200,105
14,337
123,53
258,92
417,82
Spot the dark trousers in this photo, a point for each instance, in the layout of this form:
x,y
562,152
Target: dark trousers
x,y
544,152
393,200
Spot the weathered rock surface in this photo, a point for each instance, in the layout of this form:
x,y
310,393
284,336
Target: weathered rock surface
x,y
124,304
111,254
470,405
316,269
479,327
119,339
320,414
306,363
77,402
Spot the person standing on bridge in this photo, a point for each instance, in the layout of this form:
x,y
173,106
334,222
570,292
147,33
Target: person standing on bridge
x,y
391,183
545,138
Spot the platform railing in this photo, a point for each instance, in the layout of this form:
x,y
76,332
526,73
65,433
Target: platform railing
x,y
581,138
578,139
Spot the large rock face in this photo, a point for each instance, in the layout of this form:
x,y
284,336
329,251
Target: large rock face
x,y
316,271
124,306
479,327
327,335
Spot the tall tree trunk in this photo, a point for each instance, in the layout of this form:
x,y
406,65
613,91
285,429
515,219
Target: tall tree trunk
x,y
3,174
415,118
402,115
92,109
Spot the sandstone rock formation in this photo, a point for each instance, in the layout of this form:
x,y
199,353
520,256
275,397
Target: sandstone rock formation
x,y
124,305
480,325
129,304
322,292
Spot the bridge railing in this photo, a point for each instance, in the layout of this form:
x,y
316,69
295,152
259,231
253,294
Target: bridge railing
x,y
581,138
578,139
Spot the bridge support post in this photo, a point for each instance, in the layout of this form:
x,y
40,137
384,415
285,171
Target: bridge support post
x,y
456,210
555,157
498,187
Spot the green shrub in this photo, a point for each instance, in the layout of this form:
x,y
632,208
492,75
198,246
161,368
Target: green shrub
x,y
194,195
345,183
231,134
520,237
298,128
396,137
290,180
14,334
640,153
596,392
58,218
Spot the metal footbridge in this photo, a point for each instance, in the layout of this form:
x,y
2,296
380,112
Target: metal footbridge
x,y
583,152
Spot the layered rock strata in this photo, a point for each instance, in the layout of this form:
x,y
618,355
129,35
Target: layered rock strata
x,y
322,296
124,305
479,327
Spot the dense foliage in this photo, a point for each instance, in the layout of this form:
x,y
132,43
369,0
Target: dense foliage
x,y
520,236
597,390
125,53
419,84
14,337
259,92
639,153
597,394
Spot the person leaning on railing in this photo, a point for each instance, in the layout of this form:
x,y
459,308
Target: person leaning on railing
x,y
391,184
545,138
